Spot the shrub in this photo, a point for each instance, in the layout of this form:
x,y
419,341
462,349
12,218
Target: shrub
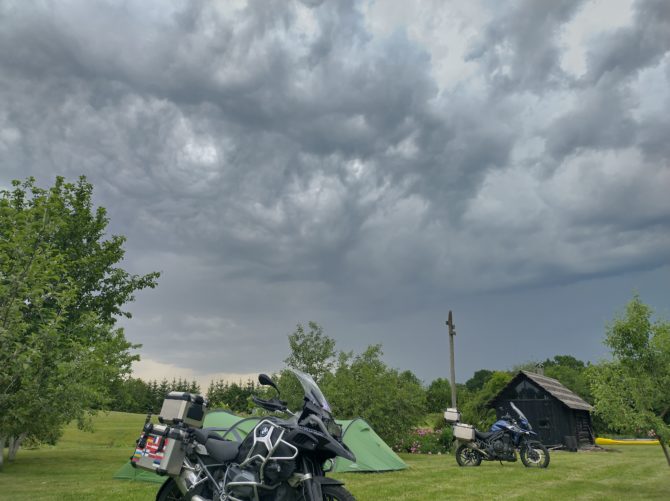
x,y
425,441
438,422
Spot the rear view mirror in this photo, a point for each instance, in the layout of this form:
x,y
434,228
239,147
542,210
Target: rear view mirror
x,y
266,380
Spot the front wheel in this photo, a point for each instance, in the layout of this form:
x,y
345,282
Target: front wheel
x,y
169,492
465,456
336,493
534,455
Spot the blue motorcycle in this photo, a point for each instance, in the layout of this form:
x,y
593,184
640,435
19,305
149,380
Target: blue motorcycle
x,y
501,443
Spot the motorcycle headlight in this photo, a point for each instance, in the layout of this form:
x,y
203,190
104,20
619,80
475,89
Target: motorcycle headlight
x,y
334,429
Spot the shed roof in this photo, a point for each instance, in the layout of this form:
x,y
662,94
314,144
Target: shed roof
x,y
555,389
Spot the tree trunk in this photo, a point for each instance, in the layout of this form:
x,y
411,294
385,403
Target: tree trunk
x,y
2,450
665,450
660,440
14,444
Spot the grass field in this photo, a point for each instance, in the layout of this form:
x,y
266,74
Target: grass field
x,y
81,466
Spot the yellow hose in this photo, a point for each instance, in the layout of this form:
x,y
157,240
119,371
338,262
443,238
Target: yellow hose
x,y
610,441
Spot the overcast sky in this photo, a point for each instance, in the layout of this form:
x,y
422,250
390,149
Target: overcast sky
x,y
366,165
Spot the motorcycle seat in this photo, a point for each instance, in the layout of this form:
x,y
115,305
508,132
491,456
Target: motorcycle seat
x,y
201,436
483,435
222,450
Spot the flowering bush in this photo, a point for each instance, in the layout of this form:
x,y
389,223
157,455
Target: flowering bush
x,y
425,441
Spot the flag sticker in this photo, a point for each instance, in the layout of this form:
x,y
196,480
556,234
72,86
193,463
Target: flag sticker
x,y
151,450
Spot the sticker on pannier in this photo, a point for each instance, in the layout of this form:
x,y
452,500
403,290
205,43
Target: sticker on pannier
x,y
153,451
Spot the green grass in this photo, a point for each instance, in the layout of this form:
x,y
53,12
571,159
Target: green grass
x,y
81,466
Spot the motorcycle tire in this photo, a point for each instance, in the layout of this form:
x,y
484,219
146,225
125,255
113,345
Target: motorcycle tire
x,y
534,455
336,493
465,456
169,492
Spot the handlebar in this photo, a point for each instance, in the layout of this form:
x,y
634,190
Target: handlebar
x,y
272,405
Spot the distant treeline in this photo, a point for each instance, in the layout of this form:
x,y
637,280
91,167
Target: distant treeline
x,y
139,396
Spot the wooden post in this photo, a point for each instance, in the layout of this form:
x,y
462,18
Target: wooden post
x,y
452,333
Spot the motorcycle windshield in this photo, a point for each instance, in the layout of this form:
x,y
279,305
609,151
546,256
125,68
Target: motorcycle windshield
x,y
521,414
312,391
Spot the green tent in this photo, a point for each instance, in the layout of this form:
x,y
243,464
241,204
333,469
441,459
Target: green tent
x,y
127,472
372,454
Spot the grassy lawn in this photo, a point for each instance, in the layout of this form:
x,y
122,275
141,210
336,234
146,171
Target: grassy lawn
x,y
81,466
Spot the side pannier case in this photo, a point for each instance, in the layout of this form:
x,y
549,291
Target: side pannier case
x,y
452,415
464,432
160,449
180,407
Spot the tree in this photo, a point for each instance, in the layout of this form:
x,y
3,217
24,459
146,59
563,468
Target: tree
x,y
235,396
632,392
130,394
438,395
478,380
571,372
60,295
311,352
476,409
391,401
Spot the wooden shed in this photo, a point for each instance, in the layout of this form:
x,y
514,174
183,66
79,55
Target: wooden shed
x,y
558,415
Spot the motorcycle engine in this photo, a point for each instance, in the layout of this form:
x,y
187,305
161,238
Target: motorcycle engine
x,y
236,474
503,447
276,471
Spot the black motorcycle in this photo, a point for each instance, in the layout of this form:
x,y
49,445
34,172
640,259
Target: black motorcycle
x,y
501,443
279,460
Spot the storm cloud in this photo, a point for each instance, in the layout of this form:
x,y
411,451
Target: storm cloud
x,y
364,165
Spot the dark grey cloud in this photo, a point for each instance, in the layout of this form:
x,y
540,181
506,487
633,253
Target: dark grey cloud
x,y
652,138
287,161
623,52
601,119
519,47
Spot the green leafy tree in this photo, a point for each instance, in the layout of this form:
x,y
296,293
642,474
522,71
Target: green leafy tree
x,y
364,386
478,380
233,396
130,394
571,372
60,295
476,409
632,392
438,395
311,352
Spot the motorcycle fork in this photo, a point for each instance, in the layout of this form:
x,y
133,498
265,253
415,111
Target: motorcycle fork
x,y
311,488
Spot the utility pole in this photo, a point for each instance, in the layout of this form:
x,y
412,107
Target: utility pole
x,y
452,333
